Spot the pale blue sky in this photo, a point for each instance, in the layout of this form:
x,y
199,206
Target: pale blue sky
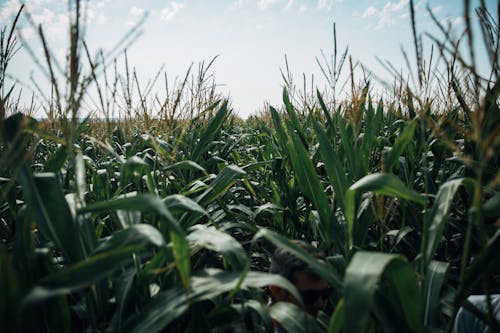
x,y
250,37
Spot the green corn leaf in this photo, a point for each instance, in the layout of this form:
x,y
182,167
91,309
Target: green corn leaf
x,y
180,203
380,183
215,240
335,171
81,274
210,132
326,113
399,146
336,322
292,318
438,216
137,235
152,204
136,164
108,256
294,118
219,186
205,285
278,126
361,281
323,270
434,281
312,188
186,165
49,208
56,160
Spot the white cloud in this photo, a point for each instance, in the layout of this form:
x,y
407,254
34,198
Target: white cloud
x,y
437,9
9,9
168,13
387,15
458,21
136,11
325,4
370,11
265,4
239,4
289,4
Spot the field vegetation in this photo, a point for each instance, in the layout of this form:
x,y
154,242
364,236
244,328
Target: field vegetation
x,y
162,215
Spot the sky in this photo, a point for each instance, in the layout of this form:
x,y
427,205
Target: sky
x,y
250,38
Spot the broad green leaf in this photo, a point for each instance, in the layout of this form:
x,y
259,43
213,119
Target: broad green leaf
x,y
56,160
219,186
322,269
313,189
399,146
440,211
81,274
216,240
186,165
294,118
278,126
335,170
337,319
210,132
434,281
292,318
167,306
361,281
181,203
380,183
146,203
136,164
49,208
180,247
136,235
152,204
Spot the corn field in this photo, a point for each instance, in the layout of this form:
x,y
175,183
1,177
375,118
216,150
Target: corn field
x,y
166,221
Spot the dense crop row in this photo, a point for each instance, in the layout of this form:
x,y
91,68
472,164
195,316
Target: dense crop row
x,y
171,228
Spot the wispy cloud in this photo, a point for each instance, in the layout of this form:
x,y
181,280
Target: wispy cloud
x,y
168,13
326,4
9,8
387,15
136,11
265,4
